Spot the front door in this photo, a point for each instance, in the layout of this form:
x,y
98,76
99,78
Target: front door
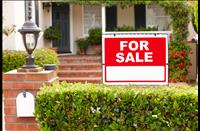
x,y
60,19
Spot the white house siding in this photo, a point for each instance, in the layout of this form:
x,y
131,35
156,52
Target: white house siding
x,y
156,16
13,14
44,22
77,24
125,16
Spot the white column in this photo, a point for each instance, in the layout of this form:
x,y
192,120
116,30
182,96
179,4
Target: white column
x,y
103,19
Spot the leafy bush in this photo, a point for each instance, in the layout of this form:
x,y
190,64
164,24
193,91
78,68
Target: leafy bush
x,y
130,28
52,33
82,45
95,36
16,59
45,56
179,60
13,59
147,29
124,28
89,107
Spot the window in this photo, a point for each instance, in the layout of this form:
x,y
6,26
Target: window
x,y
140,16
111,18
156,16
92,17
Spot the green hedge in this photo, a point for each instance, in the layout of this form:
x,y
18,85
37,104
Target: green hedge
x,y
88,107
16,59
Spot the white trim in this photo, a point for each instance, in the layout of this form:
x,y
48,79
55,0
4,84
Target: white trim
x,y
83,34
140,34
71,28
103,19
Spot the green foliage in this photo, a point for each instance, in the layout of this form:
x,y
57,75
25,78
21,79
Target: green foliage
x,y
130,28
13,59
179,61
16,59
89,107
45,56
124,28
82,44
147,29
52,33
196,14
95,36
176,10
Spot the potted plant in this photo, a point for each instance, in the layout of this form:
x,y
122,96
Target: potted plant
x,y
82,44
95,38
52,34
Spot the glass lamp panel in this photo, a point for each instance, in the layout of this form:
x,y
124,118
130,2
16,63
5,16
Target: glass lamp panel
x,y
30,40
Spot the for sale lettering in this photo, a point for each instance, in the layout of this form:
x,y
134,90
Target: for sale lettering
x,y
135,54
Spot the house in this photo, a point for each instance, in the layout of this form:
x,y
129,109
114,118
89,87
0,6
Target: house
x,y
75,20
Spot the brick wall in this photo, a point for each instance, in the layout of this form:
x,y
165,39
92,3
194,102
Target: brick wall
x,y
14,83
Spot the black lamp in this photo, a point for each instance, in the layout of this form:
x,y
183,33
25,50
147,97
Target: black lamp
x,y
30,33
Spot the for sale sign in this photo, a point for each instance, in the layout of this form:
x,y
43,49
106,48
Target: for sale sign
x,y
139,59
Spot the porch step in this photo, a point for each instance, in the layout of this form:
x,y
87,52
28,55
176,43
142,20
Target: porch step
x,y
80,73
80,66
79,59
81,79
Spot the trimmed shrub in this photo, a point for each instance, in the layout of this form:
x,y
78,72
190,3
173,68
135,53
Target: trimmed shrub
x,y
16,59
124,28
89,107
52,33
13,59
130,28
45,56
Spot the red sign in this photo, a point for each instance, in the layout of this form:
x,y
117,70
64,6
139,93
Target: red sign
x,y
128,55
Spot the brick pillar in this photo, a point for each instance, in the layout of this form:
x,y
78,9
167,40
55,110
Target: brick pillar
x,y
14,82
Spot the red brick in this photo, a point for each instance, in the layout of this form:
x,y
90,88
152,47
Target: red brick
x,y
37,77
9,102
11,93
22,85
10,110
7,85
16,119
15,127
13,77
33,127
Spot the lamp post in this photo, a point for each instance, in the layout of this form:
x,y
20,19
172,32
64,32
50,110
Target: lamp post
x,y
30,33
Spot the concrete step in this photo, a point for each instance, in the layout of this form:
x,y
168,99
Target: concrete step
x,y
81,79
80,66
80,73
79,59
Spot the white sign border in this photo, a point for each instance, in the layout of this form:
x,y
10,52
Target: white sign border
x,y
139,34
